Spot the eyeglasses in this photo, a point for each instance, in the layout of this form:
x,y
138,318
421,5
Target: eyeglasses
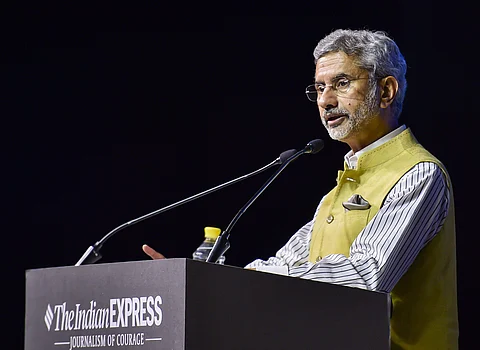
x,y
340,87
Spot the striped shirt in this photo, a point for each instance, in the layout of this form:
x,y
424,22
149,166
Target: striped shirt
x,y
411,215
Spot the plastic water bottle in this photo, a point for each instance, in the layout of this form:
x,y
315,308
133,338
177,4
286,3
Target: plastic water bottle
x,y
203,250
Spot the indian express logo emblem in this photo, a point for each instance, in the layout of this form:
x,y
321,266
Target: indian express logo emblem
x,y
136,317
49,317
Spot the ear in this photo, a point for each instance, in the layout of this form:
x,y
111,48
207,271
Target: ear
x,y
388,91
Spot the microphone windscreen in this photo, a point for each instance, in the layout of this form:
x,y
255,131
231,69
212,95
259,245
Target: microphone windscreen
x,y
314,146
287,154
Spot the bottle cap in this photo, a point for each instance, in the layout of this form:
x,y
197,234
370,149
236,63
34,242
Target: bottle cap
x,y
212,232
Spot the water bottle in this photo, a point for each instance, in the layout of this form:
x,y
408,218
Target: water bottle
x,y
203,250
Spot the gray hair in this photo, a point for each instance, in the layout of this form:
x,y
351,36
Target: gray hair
x,y
373,51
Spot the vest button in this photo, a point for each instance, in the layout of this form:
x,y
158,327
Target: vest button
x,y
318,258
329,219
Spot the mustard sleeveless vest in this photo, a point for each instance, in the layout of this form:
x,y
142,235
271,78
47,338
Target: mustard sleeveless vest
x,y
425,298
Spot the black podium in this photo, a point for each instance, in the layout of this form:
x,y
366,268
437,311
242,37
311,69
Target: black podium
x,y
182,304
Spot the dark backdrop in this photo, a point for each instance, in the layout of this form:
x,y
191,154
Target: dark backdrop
x,y
106,121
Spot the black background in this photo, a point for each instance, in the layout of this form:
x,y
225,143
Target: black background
x,y
110,114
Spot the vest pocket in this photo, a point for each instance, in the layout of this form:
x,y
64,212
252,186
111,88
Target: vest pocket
x,y
354,222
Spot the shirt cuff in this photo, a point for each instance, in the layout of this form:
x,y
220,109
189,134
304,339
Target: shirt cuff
x,y
279,270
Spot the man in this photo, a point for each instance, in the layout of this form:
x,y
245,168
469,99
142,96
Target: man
x,y
388,225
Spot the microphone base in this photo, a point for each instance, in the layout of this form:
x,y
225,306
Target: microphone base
x,y
219,248
91,256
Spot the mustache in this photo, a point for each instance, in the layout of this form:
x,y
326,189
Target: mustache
x,y
335,110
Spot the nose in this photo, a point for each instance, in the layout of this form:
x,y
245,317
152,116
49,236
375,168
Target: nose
x,y
328,99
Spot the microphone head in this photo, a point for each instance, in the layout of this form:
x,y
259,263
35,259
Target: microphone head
x,y
314,146
285,155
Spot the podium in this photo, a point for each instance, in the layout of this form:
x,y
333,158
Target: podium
x,y
183,304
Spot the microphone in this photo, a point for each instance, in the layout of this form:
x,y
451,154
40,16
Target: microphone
x,y
92,254
222,244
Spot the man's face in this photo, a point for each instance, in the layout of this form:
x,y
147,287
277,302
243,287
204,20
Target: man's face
x,y
347,112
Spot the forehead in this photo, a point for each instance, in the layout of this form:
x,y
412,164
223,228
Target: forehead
x,y
333,64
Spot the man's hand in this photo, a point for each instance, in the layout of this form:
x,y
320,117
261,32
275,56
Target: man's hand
x,y
152,252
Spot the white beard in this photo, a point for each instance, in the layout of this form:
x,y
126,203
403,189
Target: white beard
x,y
353,123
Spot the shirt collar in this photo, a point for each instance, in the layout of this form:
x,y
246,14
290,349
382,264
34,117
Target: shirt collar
x,y
351,158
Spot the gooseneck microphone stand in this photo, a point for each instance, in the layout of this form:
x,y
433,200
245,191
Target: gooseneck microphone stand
x,y
92,254
222,243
